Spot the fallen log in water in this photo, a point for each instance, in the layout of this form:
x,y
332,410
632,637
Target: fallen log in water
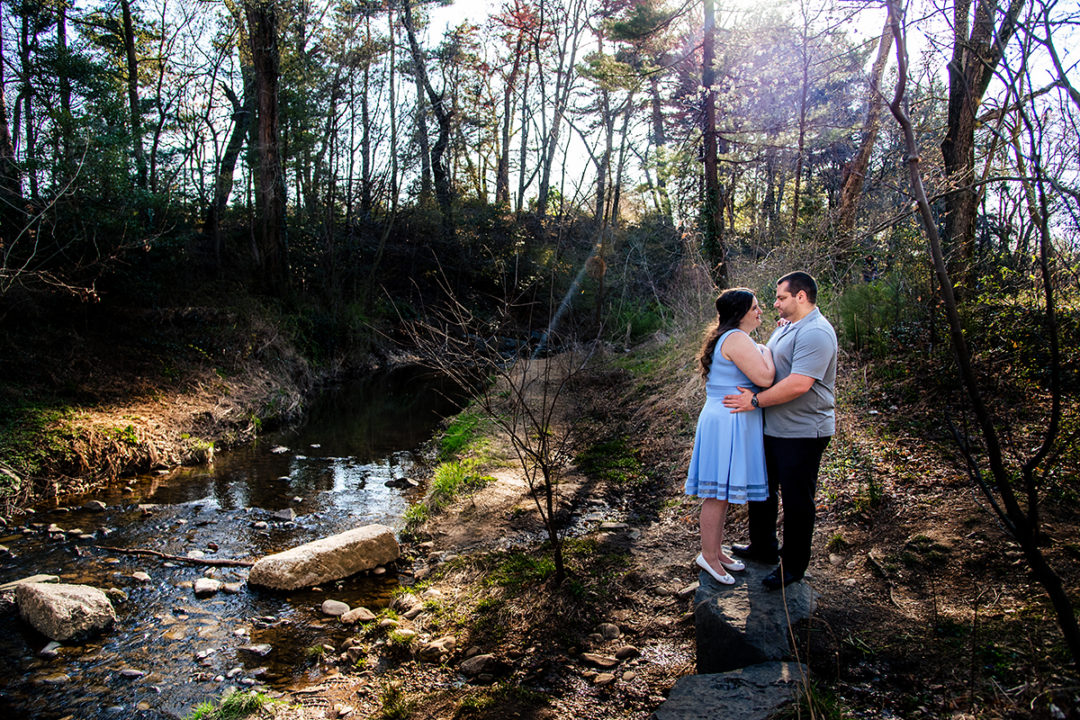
x,y
216,562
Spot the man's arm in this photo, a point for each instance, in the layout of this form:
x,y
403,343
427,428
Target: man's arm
x,y
784,391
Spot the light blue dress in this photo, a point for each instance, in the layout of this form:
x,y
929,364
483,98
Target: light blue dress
x,y
728,462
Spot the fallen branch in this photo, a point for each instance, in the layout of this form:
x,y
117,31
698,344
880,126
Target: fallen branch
x,y
216,562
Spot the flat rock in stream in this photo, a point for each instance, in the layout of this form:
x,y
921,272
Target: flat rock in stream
x,y
65,612
750,693
331,558
745,624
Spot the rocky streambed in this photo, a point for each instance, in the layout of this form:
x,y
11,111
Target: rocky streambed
x,y
188,625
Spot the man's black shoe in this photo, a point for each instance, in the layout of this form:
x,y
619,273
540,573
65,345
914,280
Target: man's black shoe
x,y
777,579
746,552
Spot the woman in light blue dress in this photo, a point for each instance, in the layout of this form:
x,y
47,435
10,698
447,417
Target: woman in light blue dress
x,y
728,461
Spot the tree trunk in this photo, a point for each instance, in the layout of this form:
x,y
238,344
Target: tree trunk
x,y
439,162
660,143
502,171
564,82
269,248
976,54
133,95
855,172
712,210
12,215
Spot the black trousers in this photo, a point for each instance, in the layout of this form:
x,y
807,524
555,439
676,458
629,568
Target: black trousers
x,y
792,465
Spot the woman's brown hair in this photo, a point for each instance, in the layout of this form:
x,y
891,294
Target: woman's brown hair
x,y
731,307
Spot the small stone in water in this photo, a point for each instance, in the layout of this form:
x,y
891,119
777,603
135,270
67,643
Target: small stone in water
x,y
334,608
132,673
95,505
212,546
50,651
279,449
232,588
288,515
379,570
205,587
196,554
233,672
260,649
297,499
260,525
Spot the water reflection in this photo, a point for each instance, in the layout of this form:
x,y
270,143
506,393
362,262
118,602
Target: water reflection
x,y
332,474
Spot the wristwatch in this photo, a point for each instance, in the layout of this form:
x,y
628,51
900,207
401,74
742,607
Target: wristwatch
x,y
753,400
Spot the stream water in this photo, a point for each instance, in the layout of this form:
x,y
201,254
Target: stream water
x,y
170,651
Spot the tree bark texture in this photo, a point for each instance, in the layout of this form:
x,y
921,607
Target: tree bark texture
x,y
269,247
440,170
978,45
854,174
12,213
134,105
713,238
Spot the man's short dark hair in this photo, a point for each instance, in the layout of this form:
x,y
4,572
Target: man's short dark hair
x,y
800,280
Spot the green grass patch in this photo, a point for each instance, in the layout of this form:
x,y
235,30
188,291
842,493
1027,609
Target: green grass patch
x,y
459,434
612,461
501,697
234,706
454,478
395,703
516,570
31,437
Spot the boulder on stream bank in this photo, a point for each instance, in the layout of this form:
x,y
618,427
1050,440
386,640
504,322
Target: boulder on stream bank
x,y
65,612
330,558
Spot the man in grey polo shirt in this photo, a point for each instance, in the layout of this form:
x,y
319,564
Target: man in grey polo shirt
x,y
799,422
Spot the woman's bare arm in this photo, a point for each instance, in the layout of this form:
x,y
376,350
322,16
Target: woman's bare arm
x,y
754,361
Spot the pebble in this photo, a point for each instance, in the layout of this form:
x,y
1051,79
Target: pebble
x,y
95,505
50,651
288,515
57,679
609,631
334,608
835,559
600,661
604,679
379,570
260,525
626,652
279,449
132,673
260,649
196,554
205,587
688,590
360,614
141,576
629,676
232,587
850,582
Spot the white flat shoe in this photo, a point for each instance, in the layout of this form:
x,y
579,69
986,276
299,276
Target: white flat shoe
x,y
724,579
734,565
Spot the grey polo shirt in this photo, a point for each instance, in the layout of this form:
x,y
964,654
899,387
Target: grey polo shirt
x,y
807,347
